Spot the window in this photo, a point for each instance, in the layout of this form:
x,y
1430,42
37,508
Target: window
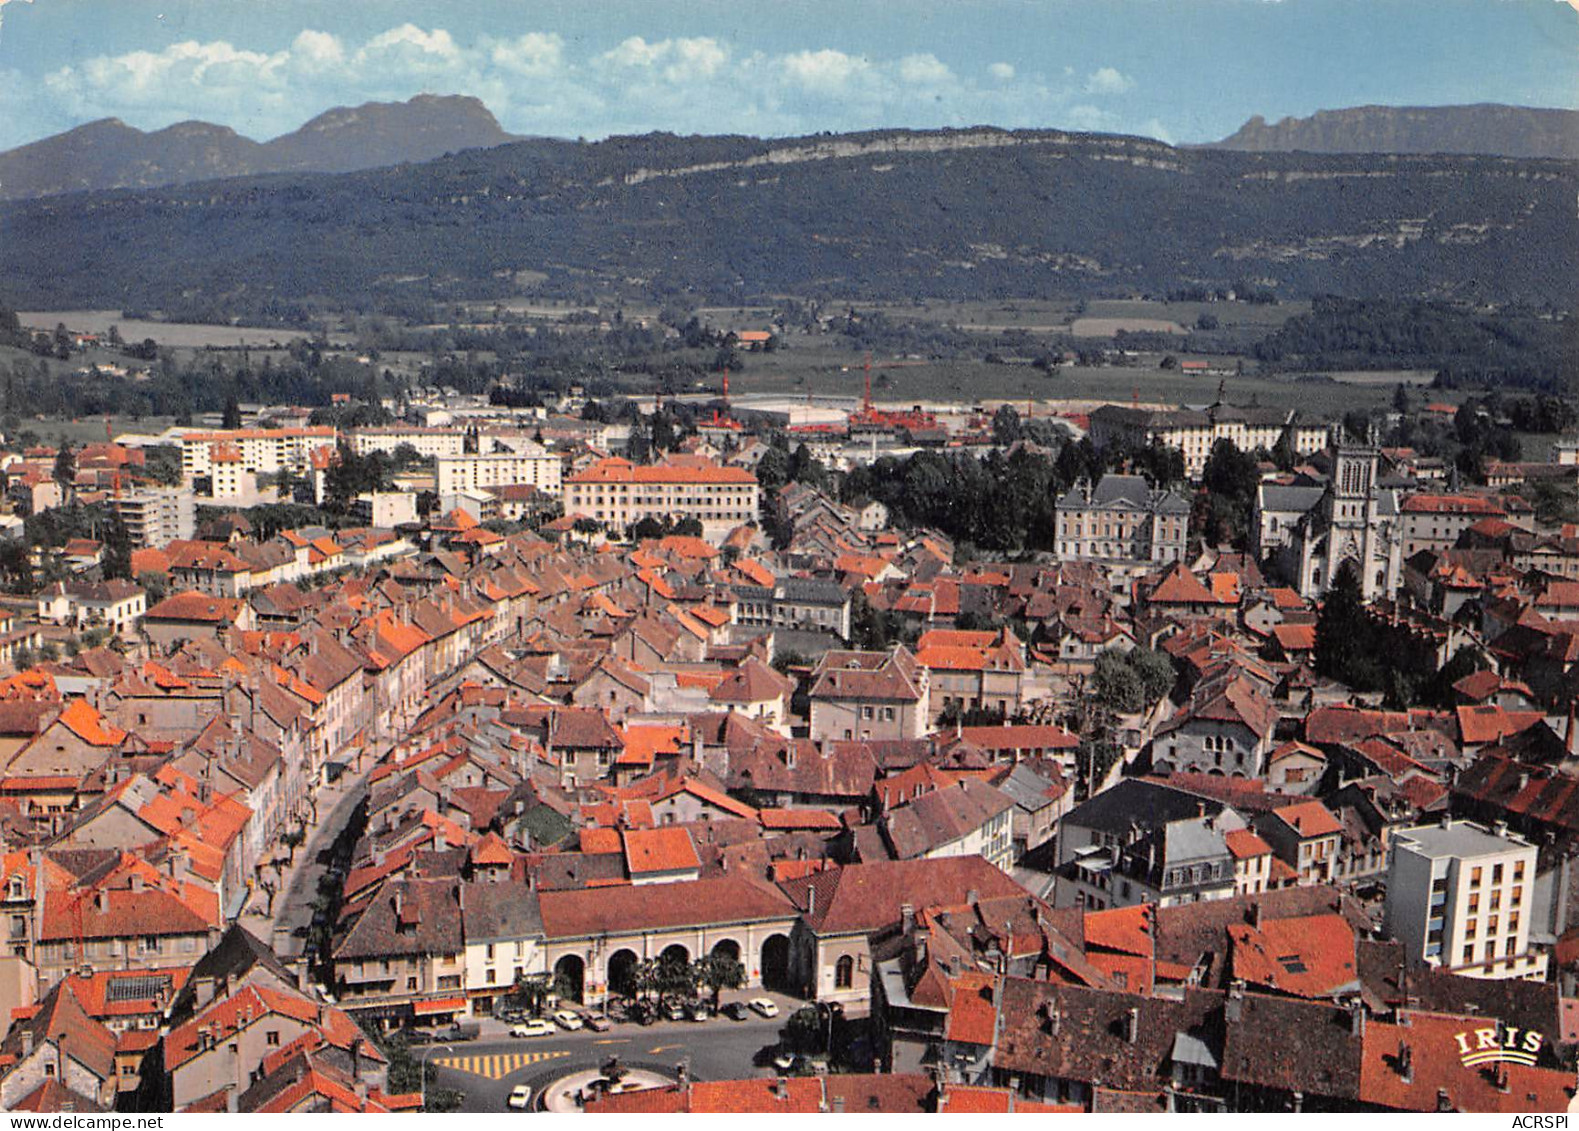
x,y
411,984
1472,927
1510,947
1469,955
272,1038
1518,871
1474,877
1496,873
844,973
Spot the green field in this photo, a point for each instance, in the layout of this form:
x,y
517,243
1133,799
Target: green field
x,y
828,371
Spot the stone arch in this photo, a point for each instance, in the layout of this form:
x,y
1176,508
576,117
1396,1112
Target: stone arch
x,y
776,962
675,952
570,977
729,948
622,972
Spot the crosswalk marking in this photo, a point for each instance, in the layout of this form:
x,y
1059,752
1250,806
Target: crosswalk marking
x,y
496,1066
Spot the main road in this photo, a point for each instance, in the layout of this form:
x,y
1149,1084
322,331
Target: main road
x,y
485,1070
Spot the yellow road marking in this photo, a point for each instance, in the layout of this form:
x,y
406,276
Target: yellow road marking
x,y
665,1048
613,1041
496,1066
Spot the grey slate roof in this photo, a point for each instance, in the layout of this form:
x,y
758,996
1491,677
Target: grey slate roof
x,y
1145,804
1289,499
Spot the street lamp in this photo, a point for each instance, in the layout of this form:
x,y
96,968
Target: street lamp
x,y
422,1074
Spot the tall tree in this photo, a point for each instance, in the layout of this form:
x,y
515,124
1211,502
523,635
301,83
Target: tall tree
x,y
232,414
65,472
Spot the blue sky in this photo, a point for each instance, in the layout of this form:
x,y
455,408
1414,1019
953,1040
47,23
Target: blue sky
x,y
1181,70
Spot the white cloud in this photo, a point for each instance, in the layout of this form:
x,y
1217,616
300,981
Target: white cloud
x,y
1108,80
924,70
535,53
312,49
536,82
825,70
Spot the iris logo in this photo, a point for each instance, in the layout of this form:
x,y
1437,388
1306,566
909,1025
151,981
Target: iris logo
x,y
1494,1043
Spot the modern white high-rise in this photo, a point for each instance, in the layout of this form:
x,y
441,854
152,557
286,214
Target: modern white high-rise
x,y
1459,898
156,516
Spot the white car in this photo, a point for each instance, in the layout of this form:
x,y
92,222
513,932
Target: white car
x,y
520,1096
763,1006
536,1027
568,1019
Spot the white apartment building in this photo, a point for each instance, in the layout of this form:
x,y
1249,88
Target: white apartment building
x,y
529,464
429,443
1459,898
620,494
262,451
156,516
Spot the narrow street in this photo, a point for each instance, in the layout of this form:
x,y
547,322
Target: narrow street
x,y
286,929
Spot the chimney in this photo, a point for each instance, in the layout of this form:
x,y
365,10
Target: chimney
x,y
1052,1016
1357,1017
1444,1102
907,917
1406,1063
781,1089
811,900
27,1041
837,1105
972,897
1253,914
1132,1025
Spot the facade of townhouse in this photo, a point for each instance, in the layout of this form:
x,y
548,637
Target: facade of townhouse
x,y
1120,519
869,696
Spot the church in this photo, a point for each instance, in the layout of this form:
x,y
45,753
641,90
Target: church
x,y
1308,533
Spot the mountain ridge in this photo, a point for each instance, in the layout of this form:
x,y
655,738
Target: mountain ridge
x,y
1489,128
109,154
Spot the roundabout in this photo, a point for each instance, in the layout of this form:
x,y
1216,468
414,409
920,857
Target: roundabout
x,y
567,1092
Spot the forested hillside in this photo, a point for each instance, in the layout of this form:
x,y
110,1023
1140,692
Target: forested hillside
x,y
979,213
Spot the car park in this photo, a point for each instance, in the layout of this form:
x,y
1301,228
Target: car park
x,y
568,1020
765,1007
536,1027
520,1097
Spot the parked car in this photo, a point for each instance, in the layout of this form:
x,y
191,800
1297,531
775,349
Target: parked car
x,y
642,1012
568,1020
736,1011
765,1007
511,1016
536,1027
461,1031
697,1011
674,1011
599,1024
520,1096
